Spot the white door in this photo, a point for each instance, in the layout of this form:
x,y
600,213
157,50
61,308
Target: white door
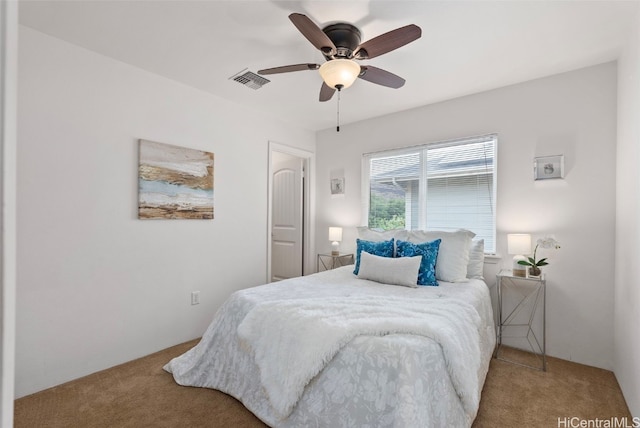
x,y
286,232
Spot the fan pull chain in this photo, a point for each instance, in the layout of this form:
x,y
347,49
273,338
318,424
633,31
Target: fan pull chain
x,y
338,114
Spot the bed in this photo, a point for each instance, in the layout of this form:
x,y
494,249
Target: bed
x,y
335,350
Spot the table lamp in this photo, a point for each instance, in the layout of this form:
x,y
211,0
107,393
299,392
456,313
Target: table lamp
x,y
335,236
519,244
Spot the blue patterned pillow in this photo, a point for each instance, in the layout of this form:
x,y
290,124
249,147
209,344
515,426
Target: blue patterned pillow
x,y
382,249
429,253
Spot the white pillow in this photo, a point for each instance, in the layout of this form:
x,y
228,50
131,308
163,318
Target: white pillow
x,y
475,268
381,235
453,255
395,271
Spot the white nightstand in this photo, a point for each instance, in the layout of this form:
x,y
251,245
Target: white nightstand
x,y
521,310
331,261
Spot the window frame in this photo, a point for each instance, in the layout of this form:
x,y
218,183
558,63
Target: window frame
x,y
421,149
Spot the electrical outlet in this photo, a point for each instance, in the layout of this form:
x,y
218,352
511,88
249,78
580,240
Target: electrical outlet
x,y
195,297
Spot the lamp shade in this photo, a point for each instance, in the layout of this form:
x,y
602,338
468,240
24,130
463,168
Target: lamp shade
x,y
339,72
335,234
519,243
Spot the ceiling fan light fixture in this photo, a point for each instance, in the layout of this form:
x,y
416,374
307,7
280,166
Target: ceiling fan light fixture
x,y
339,72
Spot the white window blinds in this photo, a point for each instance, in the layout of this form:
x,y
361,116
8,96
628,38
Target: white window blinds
x,y
439,186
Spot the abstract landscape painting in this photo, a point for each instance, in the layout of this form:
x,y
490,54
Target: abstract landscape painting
x,y
174,182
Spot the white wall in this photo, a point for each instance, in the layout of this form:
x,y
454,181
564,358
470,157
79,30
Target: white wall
x,y
627,284
97,286
572,114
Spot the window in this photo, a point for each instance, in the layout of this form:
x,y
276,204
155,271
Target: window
x,y
439,186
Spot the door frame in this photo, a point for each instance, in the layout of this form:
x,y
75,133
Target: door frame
x,y
8,213
308,203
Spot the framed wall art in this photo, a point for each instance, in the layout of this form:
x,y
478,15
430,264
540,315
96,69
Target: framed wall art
x,y
546,167
174,182
337,186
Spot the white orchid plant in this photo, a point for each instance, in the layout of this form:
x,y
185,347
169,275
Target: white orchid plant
x,y
546,242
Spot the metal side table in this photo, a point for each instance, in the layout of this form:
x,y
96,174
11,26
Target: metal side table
x,y
332,261
520,301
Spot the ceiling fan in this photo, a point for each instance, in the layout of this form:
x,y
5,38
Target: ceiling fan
x,y
340,45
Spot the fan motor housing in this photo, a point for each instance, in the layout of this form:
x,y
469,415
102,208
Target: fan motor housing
x,y
345,37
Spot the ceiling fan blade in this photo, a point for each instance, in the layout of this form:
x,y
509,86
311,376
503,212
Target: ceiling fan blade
x,y
313,33
289,68
326,92
381,77
388,41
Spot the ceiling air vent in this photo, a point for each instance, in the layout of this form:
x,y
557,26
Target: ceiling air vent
x,y
252,80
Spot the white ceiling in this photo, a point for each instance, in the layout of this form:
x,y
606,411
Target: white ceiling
x,y
466,46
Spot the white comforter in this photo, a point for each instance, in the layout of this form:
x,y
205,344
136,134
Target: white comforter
x,y
400,372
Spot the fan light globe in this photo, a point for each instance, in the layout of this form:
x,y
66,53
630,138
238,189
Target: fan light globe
x,y
339,72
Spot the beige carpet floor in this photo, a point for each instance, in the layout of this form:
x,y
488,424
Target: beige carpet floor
x,y
141,394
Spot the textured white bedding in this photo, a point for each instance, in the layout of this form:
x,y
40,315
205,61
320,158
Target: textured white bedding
x,y
405,379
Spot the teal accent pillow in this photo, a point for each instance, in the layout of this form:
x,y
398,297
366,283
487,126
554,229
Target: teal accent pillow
x,y
382,249
429,253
